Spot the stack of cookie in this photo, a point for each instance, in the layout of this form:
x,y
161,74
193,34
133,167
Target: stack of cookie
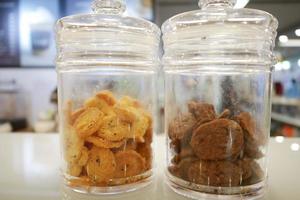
x,y
107,142
215,150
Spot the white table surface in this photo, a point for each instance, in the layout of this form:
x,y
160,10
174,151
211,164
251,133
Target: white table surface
x,y
29,170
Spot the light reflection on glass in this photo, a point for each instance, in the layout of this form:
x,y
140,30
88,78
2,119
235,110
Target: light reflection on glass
x,y
295,147
279,139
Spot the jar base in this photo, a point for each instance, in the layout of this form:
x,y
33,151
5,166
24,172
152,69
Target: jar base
x,y
196,191
111,190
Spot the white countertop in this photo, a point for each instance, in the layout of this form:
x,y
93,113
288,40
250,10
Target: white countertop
x,y
29,170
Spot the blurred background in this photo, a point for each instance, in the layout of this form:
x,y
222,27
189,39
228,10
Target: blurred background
x,y
27,58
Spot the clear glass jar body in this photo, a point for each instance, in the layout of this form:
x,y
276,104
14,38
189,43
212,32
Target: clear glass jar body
x,y
107,98
106,127
217,125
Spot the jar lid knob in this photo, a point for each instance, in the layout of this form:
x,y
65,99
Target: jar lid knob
x,y
216,3
113,7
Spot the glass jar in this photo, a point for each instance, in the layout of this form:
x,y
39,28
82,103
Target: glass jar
x,y
218,65
107,64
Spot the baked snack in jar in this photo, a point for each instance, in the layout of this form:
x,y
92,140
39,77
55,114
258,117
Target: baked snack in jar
x,y
220,150
107,141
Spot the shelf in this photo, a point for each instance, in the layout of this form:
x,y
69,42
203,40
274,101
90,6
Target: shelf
x,y
286,119
286,101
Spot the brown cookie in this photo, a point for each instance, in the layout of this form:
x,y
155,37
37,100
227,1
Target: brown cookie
x,y
257,174
245,166
251,149
202,111
251,130
175,145
145,151
184,166
214,173
225,114
218,140
182,125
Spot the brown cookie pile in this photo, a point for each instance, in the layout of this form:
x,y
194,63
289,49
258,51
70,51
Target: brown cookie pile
x,y
107,141
215,150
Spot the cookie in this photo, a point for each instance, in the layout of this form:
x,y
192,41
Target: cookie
x,y
75,115
129,101
225,114
129,163
103,143
101,165
101,104
175,145
88,122
251,149
84,157
126,113
73,145
203,112
113,129
182,125
245,166
257,174
186,151
252,131
107,96
145,151
217,140
74,169
184,166
80,181
214,173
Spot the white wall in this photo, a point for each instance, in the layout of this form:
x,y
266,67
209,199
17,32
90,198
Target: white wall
x,y
35,85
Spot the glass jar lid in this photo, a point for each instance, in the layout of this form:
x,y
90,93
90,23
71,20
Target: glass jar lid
x,y
107,35
218,33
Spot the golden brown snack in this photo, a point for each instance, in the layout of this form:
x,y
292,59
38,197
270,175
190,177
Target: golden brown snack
x,y
80,181
215,173
129,101
129,163
74,169
107,96
103,143
73,145
101,165
76,114
145,150
217,140
101,104
88,122
84,156
113,129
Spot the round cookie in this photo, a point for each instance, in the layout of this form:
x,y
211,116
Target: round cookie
x,y
251,130
101,164
217,140
214,173
129,163
202,111
73,145
145,150
182,125
88,122
113,129
103,143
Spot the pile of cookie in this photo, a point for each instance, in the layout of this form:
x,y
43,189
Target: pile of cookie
x,y
215,150
107,141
